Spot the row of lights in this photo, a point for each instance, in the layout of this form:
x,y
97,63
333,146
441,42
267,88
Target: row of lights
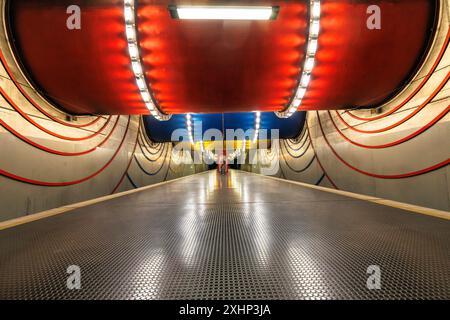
x,y
138,70
211,155
189,127
230,157
257,125
234,155
314,28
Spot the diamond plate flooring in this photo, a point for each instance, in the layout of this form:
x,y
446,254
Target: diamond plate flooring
x,y
237,237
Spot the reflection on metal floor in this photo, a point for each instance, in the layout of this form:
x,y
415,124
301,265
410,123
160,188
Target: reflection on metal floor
x,y
237,237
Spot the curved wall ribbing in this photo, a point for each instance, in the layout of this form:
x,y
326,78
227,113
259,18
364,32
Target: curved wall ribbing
x,y
400,151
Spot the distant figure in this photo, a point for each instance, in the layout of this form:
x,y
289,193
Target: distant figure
x,y
222,164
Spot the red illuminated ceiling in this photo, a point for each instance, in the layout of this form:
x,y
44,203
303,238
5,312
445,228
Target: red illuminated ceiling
x,y
217,66
210,66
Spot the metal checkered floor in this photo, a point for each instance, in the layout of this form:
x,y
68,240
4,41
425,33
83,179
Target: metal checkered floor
x,y
236,237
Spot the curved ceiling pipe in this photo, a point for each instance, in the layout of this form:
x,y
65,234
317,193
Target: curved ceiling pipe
x,y
204,66
358,66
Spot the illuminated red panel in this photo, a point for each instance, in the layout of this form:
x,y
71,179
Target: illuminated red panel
x,y
216,66
223,66
83,71
356,66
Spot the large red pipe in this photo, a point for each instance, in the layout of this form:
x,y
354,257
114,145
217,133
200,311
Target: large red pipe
x,y
217,66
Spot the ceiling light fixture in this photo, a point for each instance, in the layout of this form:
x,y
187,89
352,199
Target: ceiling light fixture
x,y
189,127
257,125
223,12
136,64
311,50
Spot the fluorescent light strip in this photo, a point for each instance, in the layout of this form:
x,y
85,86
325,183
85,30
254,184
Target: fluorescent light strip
x,y
189,127
257,125
223,12
136,64
314,28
